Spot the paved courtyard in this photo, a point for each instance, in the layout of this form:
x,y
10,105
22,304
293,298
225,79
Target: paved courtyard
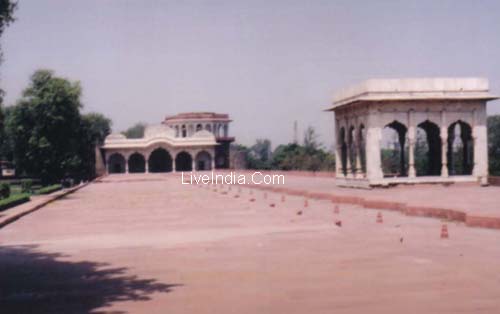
x,y
147,244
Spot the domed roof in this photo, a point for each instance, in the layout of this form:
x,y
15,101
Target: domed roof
x,y
158,130
115,136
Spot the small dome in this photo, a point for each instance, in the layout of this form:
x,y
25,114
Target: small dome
x,y
115,136
158,130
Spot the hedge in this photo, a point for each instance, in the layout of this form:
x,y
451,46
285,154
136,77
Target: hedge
x,y
14,200
49,189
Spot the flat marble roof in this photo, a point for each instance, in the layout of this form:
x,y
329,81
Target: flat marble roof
x,y
414,89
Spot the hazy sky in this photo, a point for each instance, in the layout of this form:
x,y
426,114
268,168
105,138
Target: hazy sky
x,y
266,63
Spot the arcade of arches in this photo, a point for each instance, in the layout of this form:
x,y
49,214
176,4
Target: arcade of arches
x,y
412,131
158,160
427,150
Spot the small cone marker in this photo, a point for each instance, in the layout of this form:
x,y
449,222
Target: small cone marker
x,y
379,218
336,209
272,205
444,231
299,213
282,198
338,223
306,203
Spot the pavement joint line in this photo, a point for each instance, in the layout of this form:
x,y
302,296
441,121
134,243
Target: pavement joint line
x,y
404,208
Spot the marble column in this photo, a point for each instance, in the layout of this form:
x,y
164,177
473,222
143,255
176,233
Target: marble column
x,y
444,151
348,162
411,145
480,153
338,161
373,159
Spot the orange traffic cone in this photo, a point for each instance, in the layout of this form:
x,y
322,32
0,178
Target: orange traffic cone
x,y
336,209
282,198
379,218
444,231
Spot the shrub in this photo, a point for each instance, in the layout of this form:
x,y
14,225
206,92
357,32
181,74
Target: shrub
x,y
67,183
4,190
26,185
14,200
49,189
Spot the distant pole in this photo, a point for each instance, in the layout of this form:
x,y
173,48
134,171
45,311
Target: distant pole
x,y
295,132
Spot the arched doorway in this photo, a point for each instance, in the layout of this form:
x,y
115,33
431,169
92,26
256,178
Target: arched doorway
x,y
160,161
394,150
116,163
203,161
136,163
460,157
343,151
428,150
183,162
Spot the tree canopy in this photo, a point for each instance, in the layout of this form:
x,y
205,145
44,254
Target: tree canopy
x,y
135,131
48,136
309,156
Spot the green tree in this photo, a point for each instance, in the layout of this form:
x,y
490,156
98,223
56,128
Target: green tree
x,y
98,127
135,131
260,155
47,129
7,9
311,139
494,144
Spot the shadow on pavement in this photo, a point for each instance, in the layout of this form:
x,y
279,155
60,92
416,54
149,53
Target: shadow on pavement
x,y
36,282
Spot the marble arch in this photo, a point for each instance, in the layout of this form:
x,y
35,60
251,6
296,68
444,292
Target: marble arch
x,y
434,105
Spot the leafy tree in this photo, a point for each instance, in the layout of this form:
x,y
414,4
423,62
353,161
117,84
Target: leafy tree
x,y
259,155
494,144
311,139
7,9
50,139
136,131
309,156
98,126
93,130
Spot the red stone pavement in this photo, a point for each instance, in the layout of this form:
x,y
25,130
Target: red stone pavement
x,y
148,244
